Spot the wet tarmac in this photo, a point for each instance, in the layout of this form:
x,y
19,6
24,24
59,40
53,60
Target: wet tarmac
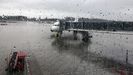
x,y
65,56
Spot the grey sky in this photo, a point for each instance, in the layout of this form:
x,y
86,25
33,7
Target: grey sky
x,y
107,9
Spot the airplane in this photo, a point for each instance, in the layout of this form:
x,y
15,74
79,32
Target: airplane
x,y
55,27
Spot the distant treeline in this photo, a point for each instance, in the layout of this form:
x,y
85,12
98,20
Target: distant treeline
x,y
17,18
24,18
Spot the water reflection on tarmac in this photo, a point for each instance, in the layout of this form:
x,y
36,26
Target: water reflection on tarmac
x,y
57,56
82,60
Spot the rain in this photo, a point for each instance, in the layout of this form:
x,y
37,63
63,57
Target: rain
x,y
61,37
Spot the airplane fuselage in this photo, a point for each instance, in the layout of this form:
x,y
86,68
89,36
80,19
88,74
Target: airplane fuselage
x,y
55,27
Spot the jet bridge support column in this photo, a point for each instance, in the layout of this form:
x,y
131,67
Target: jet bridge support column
x,y
75,35
85,36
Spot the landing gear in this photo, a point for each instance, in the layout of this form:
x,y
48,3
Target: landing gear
x,y
58,34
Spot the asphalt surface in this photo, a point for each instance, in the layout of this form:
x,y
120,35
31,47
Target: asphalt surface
x,y
64,56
